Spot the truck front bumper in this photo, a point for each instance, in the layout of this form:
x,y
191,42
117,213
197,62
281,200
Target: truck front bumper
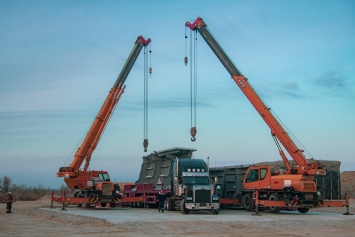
x,y
202,206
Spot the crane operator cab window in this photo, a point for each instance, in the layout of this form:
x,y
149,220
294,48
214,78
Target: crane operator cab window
x,y
263,172
104,177
253,175
256,175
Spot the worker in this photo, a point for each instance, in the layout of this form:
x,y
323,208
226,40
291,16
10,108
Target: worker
x,y
161,200
8,202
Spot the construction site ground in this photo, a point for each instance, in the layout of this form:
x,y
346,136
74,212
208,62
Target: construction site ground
x,y
35,218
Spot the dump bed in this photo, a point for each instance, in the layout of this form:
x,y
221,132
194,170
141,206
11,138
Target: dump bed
x,y
157,167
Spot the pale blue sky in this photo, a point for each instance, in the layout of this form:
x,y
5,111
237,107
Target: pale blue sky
x,y
58,60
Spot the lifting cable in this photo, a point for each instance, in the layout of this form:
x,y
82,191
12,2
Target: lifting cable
x,y
146,71
193,81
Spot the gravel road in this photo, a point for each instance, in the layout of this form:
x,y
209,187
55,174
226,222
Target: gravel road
x,y
123,215
36,219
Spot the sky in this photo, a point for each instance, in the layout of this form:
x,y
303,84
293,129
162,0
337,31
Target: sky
x,y
59,59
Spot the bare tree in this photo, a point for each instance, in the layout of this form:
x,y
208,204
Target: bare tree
x,y
1,188
6,183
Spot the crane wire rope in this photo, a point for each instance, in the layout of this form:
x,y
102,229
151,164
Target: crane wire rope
x,y
145,141
298,142
193,82
86,132
70,156
285,127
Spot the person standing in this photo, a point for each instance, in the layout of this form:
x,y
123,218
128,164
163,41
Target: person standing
x,y
161,200
8,202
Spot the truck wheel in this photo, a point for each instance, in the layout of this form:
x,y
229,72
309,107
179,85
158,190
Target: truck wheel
x,y
169,204
215,211
303,209
273,197
79,204
183,209
248,202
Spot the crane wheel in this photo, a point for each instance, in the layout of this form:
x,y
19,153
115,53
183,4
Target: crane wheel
x,y
248,202
273,197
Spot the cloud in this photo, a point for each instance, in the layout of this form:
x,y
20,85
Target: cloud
x,y
292,90
285,90
163,103
334,84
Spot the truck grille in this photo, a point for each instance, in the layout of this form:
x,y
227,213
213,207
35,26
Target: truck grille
x,y
203,196
106,189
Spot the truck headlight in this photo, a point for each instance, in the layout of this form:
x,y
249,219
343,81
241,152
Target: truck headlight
x,y
188,198
215,198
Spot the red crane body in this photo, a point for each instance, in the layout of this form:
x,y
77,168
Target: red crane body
x,y
81,178
303,165
295,187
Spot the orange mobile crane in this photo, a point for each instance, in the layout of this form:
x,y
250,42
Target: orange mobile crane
x,y
94,186
293,189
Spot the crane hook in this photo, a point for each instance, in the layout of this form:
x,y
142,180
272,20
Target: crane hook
x,y
193,132
145,144
186,61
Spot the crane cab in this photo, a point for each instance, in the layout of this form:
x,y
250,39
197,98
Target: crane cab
x,y
265,178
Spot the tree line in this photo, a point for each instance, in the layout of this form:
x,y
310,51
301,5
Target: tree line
x,y
26,193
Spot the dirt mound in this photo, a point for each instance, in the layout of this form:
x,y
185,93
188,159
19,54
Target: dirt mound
x,y
347,179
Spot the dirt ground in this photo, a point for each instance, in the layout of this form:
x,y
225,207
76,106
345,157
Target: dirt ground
x,y
34,218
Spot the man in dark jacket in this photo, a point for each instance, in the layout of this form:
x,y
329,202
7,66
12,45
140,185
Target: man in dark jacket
x,y
161,200
8,202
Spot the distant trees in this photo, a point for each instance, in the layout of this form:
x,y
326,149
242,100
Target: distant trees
x,y
26,193
5,183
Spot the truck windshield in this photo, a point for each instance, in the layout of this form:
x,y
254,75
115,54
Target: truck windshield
x,y
196,180
104,177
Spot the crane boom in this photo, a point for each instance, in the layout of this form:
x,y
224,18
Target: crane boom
x,y
93,136
277,131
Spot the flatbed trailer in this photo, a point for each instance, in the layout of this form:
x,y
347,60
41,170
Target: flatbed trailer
x,y
94,201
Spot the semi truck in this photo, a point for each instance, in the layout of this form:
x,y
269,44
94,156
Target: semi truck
x,y
183,179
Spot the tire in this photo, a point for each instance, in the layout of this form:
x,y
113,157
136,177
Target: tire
x,y
79,204
302,209
273,197
248,202
215,211
169,204
183,209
